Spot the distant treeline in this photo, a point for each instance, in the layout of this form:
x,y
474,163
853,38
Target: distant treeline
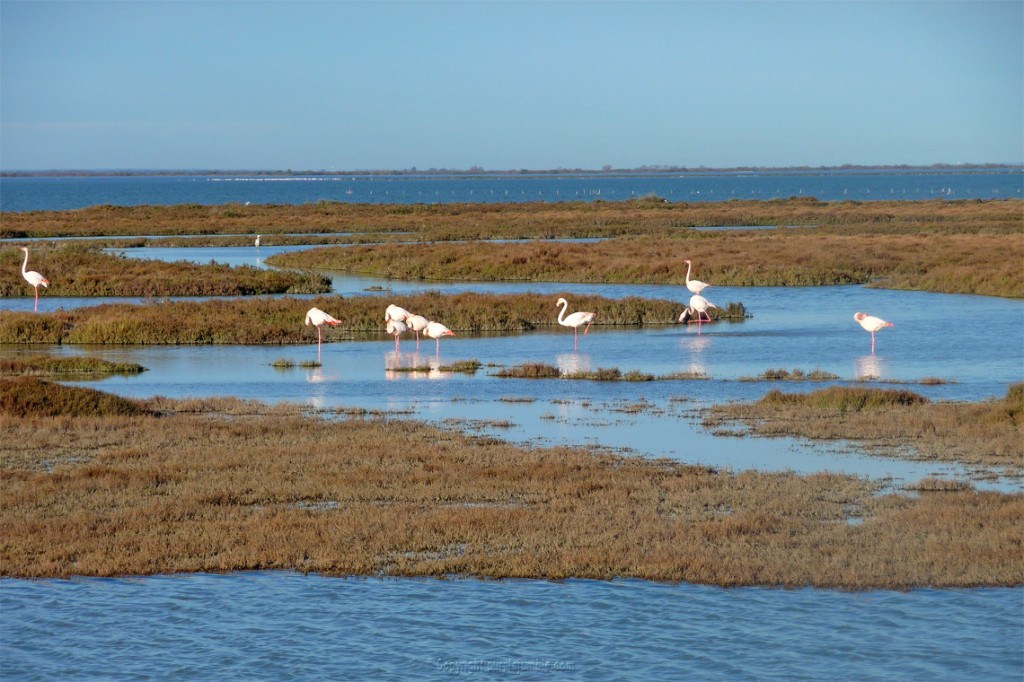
x,y
477,170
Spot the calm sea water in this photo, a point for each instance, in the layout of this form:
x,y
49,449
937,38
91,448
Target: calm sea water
x,y
274,626
283,625
45,193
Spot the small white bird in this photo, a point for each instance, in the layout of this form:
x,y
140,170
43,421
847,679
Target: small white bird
x,y
258,240
397,328
417,323
576,320
317,317
436,330
33,277
872,324
694,285
394,312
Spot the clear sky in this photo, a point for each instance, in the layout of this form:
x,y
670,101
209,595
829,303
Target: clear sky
x,y
508,85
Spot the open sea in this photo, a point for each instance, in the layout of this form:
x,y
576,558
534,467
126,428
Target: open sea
x,y
61,193
282,625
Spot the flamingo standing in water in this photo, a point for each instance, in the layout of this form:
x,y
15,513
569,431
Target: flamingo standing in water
x,y
258,240
33,277
317,317
436,330
417,323
872,324
396,328
698,307
394,312
694,285
576,320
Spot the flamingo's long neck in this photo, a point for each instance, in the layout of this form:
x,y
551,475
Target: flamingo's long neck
x,y
688,265
24,264
561,315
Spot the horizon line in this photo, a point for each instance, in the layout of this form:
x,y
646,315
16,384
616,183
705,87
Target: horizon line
x,y
478,170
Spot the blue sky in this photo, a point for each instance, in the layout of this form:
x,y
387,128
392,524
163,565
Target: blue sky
x,y
508,85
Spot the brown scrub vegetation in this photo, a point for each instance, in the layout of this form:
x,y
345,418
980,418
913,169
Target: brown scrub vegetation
x,y
84,270
889,421
986,264
98,485
279,321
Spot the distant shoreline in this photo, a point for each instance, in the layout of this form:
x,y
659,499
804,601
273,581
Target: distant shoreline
x,y
477,171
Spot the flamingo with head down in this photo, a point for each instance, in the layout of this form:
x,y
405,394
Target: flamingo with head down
x,y
872,324
417,323
698,308
436,330
318,318
396,328
394,312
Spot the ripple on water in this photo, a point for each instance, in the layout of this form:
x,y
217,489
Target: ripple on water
x,y
276,625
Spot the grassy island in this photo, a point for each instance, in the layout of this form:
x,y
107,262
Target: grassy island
x,y
280,321
85,270
99,485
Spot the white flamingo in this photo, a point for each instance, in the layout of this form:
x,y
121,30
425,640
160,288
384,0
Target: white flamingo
x,y
694,285
258,240
417,323
576,320
436,330
700,305
317,317
396,328
872,324
394,312
33,277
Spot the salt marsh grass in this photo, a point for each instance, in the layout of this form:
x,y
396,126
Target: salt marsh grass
x,y
279,321
85,270
162,486
65,367
890,420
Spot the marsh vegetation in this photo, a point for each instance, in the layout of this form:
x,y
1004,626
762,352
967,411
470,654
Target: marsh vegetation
x,y
279,321
99,485
65,367
86,270
948,246
890,421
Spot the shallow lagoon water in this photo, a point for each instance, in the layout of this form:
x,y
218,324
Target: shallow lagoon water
x,y
288,626
792,328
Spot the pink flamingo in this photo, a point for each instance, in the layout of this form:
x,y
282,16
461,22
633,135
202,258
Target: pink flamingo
x,y
396,328
317,317
33,277
395,312
699,307
436,330
872,324
417,323
694,285
576,320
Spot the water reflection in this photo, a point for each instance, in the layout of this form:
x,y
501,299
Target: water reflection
x,y
573,363
870,367
413,367
697,345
